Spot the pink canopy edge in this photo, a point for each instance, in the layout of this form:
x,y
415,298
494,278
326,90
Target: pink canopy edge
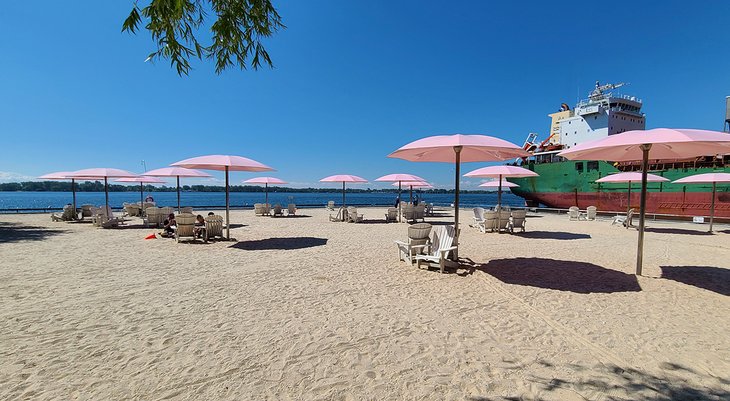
x,y
343,178
504,171
495,184
706,178
265,180
63,175
400,177
414,184
633,176
94,173
475,148
141,179
666,143
220,162
175,172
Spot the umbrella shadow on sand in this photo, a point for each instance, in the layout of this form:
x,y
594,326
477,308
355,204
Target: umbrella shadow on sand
x,y
561,275
713,279
284,243
683,231
16,232
559,235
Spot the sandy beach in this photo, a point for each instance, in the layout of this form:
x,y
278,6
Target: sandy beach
x,y
302,308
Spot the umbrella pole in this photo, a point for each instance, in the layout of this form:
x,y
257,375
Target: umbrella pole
x,y
141,195
712,205
457,176
228,223
410,196
106,194
628,205
73,192
267,195
343,200
399,202
178,194
644,170
499,194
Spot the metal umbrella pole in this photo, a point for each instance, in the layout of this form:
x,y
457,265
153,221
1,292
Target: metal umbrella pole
x,y
228,221
178,193
457,150
644,170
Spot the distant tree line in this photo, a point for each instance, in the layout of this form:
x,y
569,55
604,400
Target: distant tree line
x,y
98,186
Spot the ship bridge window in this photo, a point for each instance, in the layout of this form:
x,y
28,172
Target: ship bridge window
x,y
592,165
579,167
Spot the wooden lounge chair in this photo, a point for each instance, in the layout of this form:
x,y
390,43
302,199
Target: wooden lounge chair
x,y
626,221
353,216
185,226
490,221
503,220
419,212
391,215
331,205
154,216
591,213
442,244
574,213
213,227
291,209
408,212
277,211
340,216
258,209
418,235
517,221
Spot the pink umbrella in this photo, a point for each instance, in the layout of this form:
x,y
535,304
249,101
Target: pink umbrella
x,y
223,163
399,178
343,178
142,180
105,173
266,181
664,143
500,172
499,184
629,177
414,184
706,178
176,172
456,149
65,175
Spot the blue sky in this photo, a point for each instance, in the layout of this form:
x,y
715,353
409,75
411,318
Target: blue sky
x,y
353,81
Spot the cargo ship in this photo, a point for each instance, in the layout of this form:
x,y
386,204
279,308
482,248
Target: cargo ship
x,y
563,183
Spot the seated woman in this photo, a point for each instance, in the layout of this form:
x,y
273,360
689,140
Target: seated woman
x,y
169,226
199,229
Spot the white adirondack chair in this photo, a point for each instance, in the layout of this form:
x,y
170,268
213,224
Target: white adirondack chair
x,y
331,205
213,227
591,212
417,237
442,244
573,213
185,226
517,221
392,215
291,209
479,218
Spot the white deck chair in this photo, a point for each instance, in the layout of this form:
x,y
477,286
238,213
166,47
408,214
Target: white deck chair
x,y
86,211
625,221
573,212
340,216
185,226
490,221
418,235
331,205
391,215
478,218
419,212
277,211
213,227
442,244
517,221
291,209
408,212
502,220
258,209
353,216
591,212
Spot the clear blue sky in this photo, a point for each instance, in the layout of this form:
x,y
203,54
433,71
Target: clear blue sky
x,y
353,81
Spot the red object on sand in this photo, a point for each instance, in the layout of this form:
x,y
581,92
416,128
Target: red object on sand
x,y
151,236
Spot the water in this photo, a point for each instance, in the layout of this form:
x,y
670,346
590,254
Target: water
x,y
15,200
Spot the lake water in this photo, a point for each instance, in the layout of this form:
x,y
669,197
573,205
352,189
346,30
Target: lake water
x,y
15,200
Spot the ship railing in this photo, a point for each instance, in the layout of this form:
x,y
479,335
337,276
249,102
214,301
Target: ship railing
x,y
608,214
49,209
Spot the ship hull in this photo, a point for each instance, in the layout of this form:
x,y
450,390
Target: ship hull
x,y
562,185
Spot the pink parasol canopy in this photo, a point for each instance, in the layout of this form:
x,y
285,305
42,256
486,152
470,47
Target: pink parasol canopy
x,y
415,184
266,181
223,163
141,180
176,172
66,175
99,173
498,184
455,149
343,178
399,178
500,172
658,143
706,178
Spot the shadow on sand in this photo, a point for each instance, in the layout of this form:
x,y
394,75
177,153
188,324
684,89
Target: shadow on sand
x,y
286,243
561,275
612,383
683,231
16,232
713,279
559,235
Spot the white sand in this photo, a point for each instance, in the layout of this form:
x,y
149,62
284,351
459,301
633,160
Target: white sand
x,y
302,308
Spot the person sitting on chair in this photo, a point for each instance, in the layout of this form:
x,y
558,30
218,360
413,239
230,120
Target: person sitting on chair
x,y
199,229
169,226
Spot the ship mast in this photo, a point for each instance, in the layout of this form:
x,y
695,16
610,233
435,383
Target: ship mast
x,y
726,126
